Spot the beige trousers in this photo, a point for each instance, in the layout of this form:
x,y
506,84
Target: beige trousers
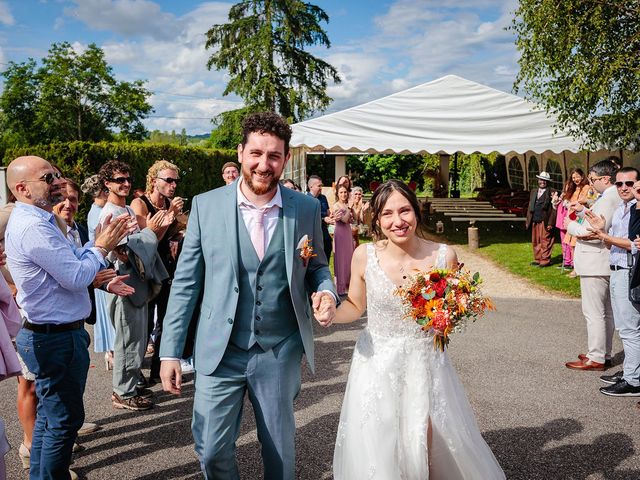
x,y
596,308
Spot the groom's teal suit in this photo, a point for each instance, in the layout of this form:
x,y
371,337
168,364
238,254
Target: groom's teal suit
x,y
254,324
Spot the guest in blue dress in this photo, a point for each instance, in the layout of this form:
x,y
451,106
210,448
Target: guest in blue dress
x,y
103,331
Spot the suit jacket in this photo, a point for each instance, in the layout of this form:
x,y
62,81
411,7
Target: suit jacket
x,y
208,264
592,256
548,212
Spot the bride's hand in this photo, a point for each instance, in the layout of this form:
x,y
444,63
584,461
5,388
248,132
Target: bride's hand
x,y
324,308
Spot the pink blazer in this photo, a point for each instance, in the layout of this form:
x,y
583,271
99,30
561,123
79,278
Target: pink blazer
x,y
10,323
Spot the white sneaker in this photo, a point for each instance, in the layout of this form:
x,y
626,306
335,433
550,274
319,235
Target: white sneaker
x,y
88,428
186,366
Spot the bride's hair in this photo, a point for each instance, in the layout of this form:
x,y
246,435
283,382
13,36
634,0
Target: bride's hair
x,y
379,200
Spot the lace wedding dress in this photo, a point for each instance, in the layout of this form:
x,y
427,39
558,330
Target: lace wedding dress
x,y
398,383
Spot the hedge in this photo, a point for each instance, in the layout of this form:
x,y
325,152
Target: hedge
x,y
199,167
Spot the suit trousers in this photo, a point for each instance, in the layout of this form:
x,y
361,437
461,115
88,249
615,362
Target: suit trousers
x,y
129,346
626,316
596,308
542,242
272,381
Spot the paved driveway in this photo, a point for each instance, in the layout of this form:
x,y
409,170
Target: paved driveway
x,y
542,420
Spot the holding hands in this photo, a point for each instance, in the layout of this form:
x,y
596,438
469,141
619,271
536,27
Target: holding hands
x,y
324,308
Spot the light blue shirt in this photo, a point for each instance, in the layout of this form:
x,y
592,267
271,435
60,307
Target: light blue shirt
x,y
620,228
50,273
93,219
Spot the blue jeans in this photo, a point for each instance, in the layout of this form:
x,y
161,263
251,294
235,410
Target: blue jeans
x,y
627,321
60,362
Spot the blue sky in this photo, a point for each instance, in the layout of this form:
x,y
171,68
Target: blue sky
x,y
379,47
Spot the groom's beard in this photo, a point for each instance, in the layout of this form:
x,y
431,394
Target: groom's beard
x,y
260,189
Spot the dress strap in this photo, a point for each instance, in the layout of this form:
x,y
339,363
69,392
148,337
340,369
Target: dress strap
x,y
441,262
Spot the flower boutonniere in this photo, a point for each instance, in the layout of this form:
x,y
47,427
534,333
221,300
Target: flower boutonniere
x,y
306,249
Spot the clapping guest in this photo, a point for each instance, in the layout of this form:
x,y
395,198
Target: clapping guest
x,y
137,257
592,264
342,239
576,191
103,331
626,315
50,272
10,322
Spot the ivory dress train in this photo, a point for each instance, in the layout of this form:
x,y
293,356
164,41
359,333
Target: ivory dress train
x,y
398,382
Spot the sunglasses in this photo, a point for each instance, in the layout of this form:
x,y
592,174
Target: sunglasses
x,y
121,180
628,183
170,180
47,178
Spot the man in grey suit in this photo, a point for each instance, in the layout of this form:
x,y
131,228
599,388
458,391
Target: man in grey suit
x,y
252,252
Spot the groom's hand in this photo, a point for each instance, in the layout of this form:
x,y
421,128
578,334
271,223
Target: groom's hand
x,y
171,376
324,308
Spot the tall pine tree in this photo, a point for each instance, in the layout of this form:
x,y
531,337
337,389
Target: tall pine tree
x,y
262,48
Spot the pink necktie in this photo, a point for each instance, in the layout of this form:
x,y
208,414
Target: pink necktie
x,y
257,232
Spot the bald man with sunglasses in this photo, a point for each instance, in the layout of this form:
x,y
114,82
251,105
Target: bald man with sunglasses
x,y
49,271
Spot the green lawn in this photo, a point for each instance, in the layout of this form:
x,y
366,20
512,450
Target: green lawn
x,y
511,248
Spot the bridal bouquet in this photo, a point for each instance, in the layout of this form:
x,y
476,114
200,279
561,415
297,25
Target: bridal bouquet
x,y
443,301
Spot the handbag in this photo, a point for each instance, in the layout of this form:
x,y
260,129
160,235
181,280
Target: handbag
x,y
634,278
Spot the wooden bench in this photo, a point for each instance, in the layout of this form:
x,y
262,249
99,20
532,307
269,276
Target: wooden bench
x,y
473,220
480,214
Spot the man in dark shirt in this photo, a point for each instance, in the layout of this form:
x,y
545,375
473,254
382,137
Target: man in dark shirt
x,y
541,217
314,185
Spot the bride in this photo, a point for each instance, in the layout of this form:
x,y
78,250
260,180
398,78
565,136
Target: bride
x,y
405,413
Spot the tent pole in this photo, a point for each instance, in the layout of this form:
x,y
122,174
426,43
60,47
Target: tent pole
x,y
526,171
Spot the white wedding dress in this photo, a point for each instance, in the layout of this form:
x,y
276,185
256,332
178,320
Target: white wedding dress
x,y
398,383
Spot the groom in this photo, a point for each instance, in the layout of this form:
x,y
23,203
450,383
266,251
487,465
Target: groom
x,y
247,259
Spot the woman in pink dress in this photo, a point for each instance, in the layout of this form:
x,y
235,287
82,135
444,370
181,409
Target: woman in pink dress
x,y
342,239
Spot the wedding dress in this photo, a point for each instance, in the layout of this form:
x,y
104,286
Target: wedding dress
x,y
398,383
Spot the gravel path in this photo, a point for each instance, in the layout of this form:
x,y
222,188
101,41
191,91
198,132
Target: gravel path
x,y
542,420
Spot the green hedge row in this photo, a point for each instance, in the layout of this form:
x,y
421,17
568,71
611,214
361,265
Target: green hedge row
x,y
199,167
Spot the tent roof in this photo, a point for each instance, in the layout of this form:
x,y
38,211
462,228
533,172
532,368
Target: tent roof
x,y
447,115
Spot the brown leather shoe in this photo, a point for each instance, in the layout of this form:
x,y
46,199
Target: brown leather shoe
x,y
583,358
586,365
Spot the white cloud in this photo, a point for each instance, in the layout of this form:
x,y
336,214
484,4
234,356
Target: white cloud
x,y
127,17
6,18
417,41
186,94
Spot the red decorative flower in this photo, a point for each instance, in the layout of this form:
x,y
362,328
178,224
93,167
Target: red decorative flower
x,y
418,301
440,287
440,321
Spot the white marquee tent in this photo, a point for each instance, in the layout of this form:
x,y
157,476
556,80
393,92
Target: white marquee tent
x,y
447,115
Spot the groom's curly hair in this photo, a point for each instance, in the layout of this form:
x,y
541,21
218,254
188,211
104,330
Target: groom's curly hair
x,y
266,122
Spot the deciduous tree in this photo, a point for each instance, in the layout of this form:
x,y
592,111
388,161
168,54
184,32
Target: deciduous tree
x,y
71,96
581,60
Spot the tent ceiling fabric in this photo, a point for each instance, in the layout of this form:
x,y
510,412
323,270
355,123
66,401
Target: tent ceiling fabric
x,y
448,115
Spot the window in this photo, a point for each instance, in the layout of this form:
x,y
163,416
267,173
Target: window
x,y
533,170
516,174
555,171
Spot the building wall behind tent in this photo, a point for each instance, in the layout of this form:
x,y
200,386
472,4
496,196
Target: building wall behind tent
x,y
523,168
